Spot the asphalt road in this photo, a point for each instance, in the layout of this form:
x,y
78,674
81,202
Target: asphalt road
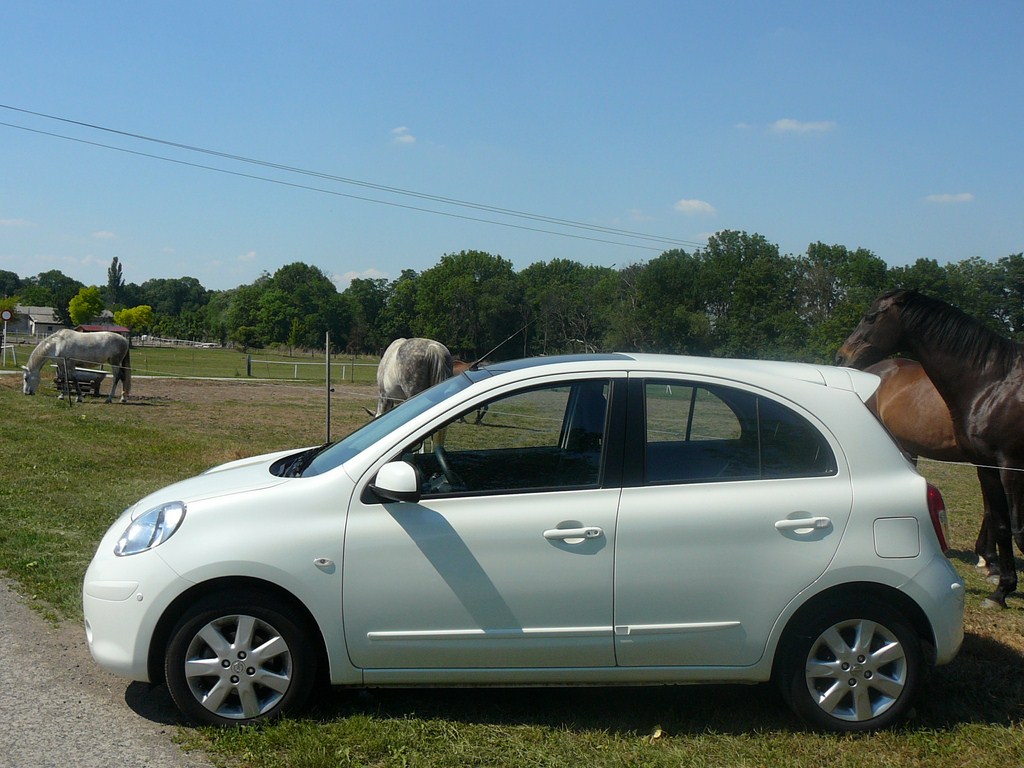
x,y
58,709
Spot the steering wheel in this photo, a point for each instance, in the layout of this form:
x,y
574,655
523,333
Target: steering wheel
x,y
446,467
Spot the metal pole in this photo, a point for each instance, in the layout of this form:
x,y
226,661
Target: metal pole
x,y
327,382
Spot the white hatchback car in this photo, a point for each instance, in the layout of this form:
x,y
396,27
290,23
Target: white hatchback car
x,y
614,519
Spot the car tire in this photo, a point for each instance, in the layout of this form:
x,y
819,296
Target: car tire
x,y
852,668
237,658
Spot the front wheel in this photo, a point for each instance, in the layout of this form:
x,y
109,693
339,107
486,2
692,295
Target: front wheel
x,y
852,669
235,659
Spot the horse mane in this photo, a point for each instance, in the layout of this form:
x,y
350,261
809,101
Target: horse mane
x,y
961,334
42,351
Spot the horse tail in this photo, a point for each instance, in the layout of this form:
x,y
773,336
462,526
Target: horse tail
x,y
441,365
126,373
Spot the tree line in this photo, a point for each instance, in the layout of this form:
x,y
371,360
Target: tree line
x,y
737,297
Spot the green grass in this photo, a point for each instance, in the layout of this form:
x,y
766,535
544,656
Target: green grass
x,y
67,471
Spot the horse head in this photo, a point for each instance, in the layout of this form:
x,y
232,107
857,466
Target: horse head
x,y
878,334
31,381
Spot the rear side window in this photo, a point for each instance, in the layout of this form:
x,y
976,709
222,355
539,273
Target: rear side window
x,y
705,433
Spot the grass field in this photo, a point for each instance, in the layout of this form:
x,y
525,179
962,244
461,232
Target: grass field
x,y
68,470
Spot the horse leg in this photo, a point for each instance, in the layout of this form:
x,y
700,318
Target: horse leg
x,y
985,546
118,373
998,519
72,376
1013,482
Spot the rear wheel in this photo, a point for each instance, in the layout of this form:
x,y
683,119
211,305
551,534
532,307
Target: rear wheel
x,y
236,659
852,668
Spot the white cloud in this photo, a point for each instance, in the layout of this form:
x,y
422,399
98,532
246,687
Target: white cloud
x,y
401,135
788,125
247,258
343,280
16,223
103,235
637,215
961,197
695,208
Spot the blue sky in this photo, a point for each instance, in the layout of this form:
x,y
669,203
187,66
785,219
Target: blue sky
x,y
895,127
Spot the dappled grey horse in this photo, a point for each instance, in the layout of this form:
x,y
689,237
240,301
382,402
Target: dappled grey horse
x,y
72,350
408,367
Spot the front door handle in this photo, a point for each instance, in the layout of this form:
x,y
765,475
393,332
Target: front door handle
x,y
803,523
565,534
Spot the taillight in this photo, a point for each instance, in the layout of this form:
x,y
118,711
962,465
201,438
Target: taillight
x,y
937,512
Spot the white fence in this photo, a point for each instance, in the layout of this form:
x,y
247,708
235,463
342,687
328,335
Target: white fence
x,y
313,370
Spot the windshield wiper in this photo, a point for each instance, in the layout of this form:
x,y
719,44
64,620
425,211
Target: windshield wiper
x,y
303,460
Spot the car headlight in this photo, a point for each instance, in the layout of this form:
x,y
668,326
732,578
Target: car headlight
x,y
151,529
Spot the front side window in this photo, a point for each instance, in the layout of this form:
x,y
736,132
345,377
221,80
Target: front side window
x,y
330,456
705,433
544,438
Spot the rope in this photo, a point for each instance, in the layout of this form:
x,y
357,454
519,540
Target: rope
x,y
969,464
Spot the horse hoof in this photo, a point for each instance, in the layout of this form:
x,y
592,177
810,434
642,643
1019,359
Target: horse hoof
x,y
989,604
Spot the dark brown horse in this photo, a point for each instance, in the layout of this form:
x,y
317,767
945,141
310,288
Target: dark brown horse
x,y
917,417
980,376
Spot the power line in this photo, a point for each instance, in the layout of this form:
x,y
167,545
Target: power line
x,y
567,223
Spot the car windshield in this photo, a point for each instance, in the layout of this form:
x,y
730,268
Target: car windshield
x,y
356,442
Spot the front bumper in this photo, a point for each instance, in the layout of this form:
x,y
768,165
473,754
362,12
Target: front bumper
x,y
123,600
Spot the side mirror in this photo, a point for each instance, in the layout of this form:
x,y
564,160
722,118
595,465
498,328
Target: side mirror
x,y
397,481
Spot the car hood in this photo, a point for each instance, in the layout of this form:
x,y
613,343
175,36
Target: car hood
x,y
242,476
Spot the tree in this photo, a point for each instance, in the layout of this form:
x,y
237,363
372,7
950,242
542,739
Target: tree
x,y
170,297
750,294
470,302
365,300
86,305
247,337
398,316
975,286
243,312
137,319
924,275
115,282
51,289
10,283
305,294
670,306
835,288
565,314
1011,305
275,315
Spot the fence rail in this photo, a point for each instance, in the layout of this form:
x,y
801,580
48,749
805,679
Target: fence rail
x,y
349,371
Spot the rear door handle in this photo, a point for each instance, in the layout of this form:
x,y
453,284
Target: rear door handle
x,y
803,523
564,534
